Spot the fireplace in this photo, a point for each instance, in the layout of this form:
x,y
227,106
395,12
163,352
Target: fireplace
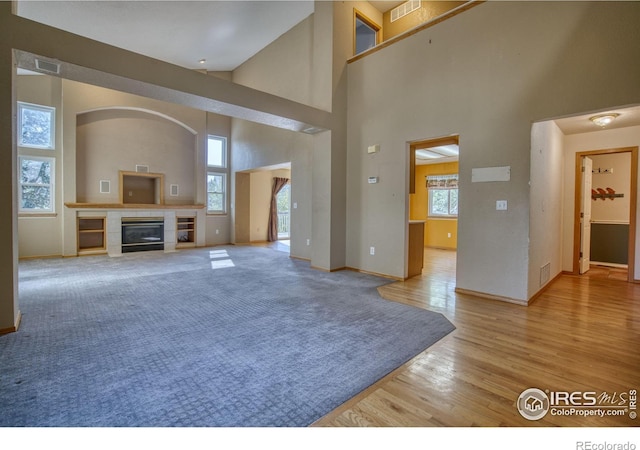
x,y
142,234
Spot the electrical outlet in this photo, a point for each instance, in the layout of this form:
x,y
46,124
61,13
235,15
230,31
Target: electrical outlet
x,y
448,235
501,205
372,250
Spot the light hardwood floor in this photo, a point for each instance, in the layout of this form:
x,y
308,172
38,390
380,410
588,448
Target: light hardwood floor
x,y
581,334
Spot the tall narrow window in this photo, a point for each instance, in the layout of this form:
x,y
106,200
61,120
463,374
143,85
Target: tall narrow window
x,y
36,126
36,184
216,175
366,33
443,195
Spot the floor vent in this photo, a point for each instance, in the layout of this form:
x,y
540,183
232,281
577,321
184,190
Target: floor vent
x,y
404,9
545,274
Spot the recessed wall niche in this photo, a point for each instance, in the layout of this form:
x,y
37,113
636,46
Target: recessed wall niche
x,y
114,140
141,188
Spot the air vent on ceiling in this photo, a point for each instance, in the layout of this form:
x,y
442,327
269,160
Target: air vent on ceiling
x,y
404,9
48,66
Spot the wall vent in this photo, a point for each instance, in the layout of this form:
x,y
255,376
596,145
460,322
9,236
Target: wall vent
x,y
48,66
545,274
404,9
142,169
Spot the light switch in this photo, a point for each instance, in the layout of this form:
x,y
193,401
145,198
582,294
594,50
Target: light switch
x,y
501,205
295,205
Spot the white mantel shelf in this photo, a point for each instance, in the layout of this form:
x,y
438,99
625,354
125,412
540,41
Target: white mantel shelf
x,y
128,206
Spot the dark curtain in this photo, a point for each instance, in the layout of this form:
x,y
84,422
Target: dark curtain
x,y
278,184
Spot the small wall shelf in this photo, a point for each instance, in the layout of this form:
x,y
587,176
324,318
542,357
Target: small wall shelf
x,y
91,235
185,232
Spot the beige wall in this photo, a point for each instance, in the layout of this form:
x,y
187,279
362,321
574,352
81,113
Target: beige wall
x,y
106,131
428,10
486,75
309,49
41,235
257,146
112,140
597,140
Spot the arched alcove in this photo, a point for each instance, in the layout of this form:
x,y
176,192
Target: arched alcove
x,y
110,140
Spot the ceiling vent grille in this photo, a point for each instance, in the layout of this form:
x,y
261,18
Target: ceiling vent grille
x,y
404,9
48,66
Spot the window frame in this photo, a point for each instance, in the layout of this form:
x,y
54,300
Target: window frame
x,y
52,125
357,15
218,170
51,185
449,189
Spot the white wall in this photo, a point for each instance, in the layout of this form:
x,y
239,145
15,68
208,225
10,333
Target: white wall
x,y
617,209
597,140
487,75
546,200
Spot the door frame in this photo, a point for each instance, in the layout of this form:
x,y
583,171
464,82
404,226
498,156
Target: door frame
x,y
632,205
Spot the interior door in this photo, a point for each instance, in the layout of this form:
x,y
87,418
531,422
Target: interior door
x,y
585,215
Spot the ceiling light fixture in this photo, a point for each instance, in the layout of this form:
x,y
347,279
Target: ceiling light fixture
x,y
202,61
603,120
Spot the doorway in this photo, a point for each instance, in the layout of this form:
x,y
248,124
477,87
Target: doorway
x,y
433,202
604,229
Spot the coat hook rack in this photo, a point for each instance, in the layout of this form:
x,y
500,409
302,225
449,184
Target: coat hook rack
x,y
603,194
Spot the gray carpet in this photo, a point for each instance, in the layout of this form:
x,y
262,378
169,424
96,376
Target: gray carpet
x,y
225,336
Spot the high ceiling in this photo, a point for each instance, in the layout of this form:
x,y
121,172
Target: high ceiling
x,y
224,34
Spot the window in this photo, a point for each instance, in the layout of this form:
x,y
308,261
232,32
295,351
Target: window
x,y
366,33
36,125
36,184
215,193
216,175
443,195
216,153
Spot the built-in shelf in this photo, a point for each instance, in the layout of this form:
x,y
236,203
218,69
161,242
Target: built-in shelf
x,y
91,235
185,232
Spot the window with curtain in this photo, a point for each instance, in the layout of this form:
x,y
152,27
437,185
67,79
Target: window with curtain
x,y
443,195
